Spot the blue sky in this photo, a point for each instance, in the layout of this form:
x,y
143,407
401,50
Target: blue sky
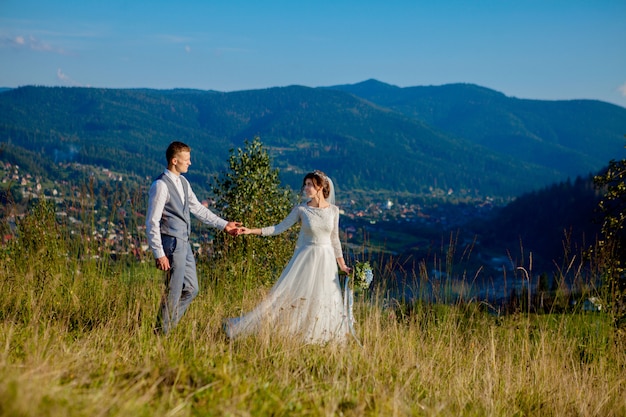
x,y
540,49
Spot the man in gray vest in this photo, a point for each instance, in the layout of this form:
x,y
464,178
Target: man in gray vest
x,y
168,226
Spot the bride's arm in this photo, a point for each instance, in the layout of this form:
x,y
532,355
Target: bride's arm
x,y
336,243
247,231
289,221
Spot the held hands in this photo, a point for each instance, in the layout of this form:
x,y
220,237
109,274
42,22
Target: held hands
x,y
232,228
237,228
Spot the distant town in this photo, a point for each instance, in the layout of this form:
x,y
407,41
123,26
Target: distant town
x,y
121,232
68,198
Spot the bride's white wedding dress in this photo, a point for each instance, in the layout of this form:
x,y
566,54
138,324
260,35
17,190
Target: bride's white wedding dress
x,y
306,301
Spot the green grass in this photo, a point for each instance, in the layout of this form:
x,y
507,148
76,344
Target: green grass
x,y
76,339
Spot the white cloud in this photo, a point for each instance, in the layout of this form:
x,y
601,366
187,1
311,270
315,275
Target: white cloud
x,y
622,89
187,48
174,38
66,79
61,75
20,42
37,45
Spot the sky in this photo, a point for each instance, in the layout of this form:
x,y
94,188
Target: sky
x,y
535,49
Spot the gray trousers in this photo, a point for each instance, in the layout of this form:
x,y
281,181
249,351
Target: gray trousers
x,y
181,282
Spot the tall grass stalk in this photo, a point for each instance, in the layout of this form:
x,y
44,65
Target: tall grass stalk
x,y
76,339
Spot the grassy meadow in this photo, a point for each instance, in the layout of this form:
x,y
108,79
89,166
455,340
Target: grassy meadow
x,y
76,339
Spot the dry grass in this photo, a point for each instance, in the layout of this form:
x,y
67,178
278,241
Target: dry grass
x,y
439,360
76,339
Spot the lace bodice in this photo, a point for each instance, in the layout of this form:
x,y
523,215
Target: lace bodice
x,y
320,226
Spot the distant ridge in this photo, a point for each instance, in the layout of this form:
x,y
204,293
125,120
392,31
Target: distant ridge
x,y
459,138
572,136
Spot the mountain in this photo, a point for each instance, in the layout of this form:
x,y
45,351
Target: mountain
x,y
370,137
574,137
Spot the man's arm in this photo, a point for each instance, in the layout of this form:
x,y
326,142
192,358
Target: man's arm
x,y
208,217
157,196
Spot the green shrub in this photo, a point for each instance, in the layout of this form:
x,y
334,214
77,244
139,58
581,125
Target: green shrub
x,y
250,192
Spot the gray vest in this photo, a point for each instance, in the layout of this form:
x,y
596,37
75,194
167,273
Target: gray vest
x,y
175,220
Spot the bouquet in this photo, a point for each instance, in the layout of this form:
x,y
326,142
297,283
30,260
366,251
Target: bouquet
x,y
363,276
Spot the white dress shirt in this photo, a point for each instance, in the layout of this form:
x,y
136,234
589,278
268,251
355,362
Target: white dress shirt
x,y
159,194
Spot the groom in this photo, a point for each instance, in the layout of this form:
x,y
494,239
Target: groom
x,y
168,226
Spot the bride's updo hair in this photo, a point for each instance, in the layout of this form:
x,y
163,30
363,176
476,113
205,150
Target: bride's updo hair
x,y
319,179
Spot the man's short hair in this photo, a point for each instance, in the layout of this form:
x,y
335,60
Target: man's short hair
x,y
174,148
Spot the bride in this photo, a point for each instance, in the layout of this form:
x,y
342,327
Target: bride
x,y
306,300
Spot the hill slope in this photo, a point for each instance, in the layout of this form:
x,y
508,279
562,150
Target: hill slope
x,y
395,145
575,137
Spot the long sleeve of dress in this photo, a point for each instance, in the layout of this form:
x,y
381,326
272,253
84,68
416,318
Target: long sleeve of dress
x,y
334,235
277,229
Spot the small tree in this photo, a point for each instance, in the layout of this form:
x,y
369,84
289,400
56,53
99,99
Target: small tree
x,y
250,192
611,252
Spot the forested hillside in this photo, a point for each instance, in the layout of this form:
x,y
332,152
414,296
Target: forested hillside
x,y
397,145
556,224
573,137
